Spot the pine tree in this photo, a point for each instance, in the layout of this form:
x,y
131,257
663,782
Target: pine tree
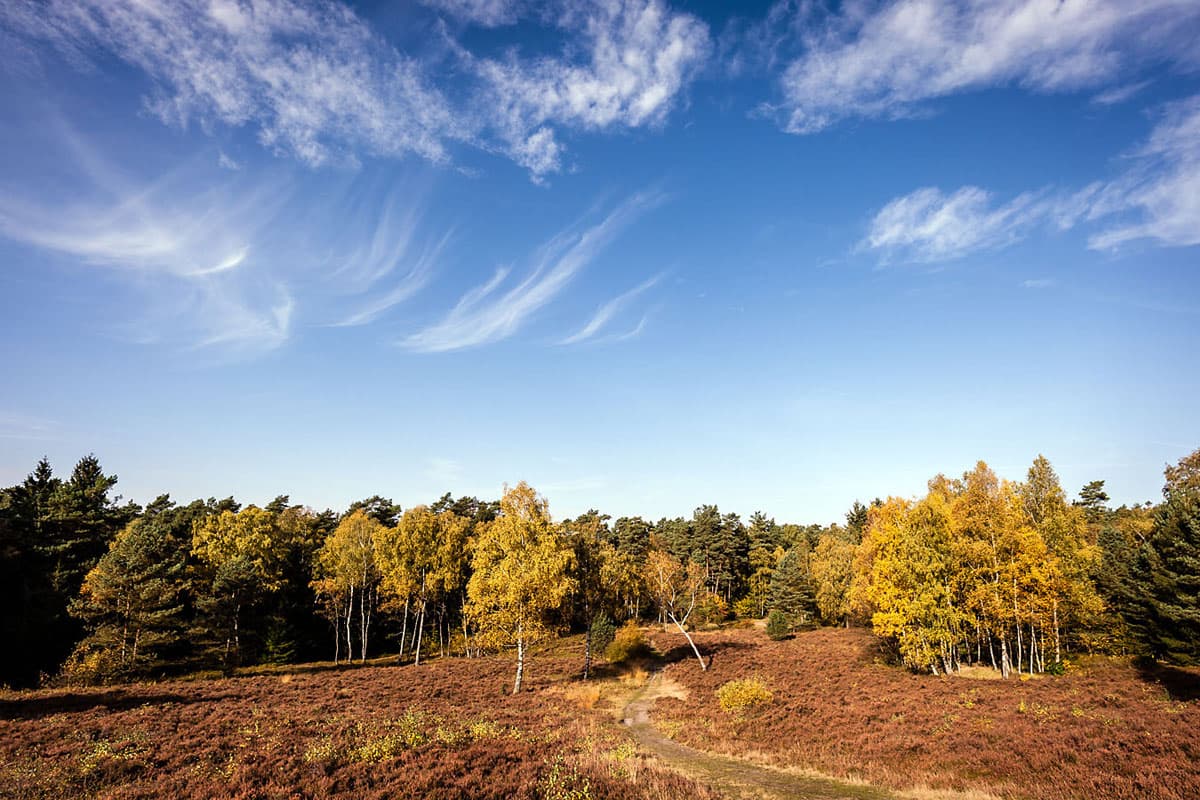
x,y
131,600
792,590
1164,607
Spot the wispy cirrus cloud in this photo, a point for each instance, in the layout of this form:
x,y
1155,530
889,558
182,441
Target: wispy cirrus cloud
x,y
929,225
221,262
188,245
318,83
485,314
485,13
1156,198
314,79
15,425
884,59
606,312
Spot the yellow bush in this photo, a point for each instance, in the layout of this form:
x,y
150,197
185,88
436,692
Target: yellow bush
x,y
628,643
744,693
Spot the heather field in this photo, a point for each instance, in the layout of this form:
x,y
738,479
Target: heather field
x,y
1104,730
447,729
441,730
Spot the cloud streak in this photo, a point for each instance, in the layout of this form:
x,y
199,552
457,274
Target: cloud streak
x,y
227,263
884,59
1157,199
485,314
606,312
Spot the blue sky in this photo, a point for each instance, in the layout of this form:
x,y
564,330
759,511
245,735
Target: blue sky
x,y
642,255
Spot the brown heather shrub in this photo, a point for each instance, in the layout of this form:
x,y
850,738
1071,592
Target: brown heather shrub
x,y
1104,730
442,731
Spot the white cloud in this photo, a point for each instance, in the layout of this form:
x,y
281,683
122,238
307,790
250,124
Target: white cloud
x,y
1039,283
414,279
1163,191
929,225
638,56
218,261
486,13
1119,94
482,316
1156,198
319,84
312,77
883,59
607,311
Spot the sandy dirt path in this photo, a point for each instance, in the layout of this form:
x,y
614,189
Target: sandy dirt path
x,y
730,776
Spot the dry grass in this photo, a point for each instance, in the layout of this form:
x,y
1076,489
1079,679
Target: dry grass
x,y
1104,730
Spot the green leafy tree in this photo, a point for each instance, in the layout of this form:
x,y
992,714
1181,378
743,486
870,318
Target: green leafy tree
x,y
240,558
587,536
421,562
832,568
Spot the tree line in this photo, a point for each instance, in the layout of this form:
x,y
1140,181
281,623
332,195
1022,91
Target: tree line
x,y
979,570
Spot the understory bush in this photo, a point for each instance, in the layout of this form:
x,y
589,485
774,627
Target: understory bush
x,y
778,626
743,693
628,643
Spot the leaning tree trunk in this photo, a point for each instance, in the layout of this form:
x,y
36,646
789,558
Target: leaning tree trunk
x,y
688,636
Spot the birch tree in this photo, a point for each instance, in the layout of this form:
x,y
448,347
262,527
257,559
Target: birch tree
x,y
675,589
520,575
346,567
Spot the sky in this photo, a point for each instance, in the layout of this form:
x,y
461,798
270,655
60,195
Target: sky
x,y
643,255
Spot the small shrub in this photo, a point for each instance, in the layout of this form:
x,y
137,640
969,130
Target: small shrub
x,y
564,782
604,630
1058,667
743,693
628,643
778,626
485,729
88,665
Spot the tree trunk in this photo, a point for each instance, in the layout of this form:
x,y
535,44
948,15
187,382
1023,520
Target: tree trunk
x,y
403,634
520,662
366,635
1057,642
441,639
237,635
688,636
337,634
420,632
1005,667
349,627
587,653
